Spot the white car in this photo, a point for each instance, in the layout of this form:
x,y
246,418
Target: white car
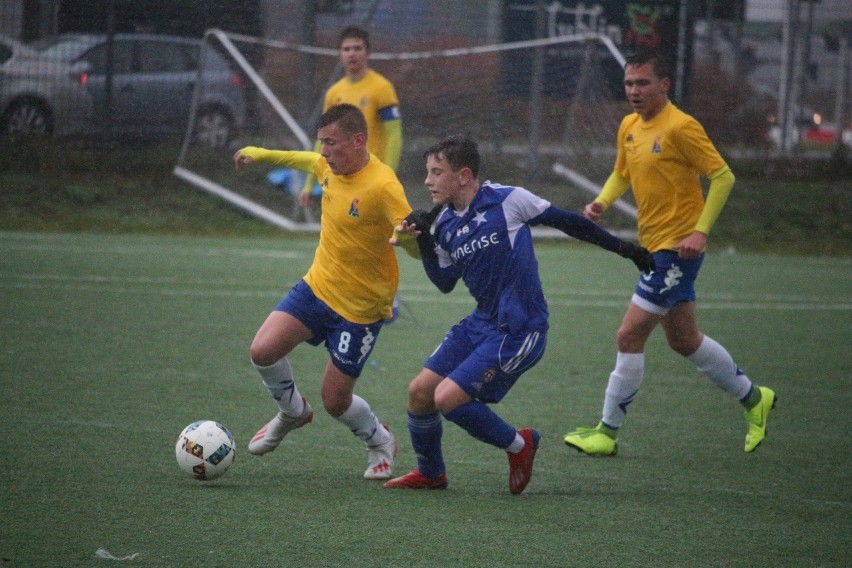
x,y
39,95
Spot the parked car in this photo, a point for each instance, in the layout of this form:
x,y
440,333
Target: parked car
x,y
40,95
142,85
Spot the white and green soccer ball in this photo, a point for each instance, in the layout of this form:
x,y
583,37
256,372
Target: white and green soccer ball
x,y
205,450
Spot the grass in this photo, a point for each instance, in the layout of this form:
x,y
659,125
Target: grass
x,y
114,342
788,207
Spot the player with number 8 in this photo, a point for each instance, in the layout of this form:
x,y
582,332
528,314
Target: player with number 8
x,y
347,293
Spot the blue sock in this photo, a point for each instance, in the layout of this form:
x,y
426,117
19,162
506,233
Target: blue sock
x,y
426,432
483,424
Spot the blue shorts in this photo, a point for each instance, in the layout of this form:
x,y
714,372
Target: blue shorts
x,y
672,283
484,360
349,344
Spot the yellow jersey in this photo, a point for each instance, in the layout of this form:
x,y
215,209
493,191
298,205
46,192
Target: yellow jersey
x,y
663,159
376,97
355,269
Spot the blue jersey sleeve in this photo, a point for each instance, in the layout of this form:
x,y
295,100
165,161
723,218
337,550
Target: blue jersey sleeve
x,y
577,226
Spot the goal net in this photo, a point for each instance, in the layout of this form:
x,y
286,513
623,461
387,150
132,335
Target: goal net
x,y
545,113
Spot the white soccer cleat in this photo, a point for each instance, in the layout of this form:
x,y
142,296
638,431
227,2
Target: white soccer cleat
x,y
381,458
268,437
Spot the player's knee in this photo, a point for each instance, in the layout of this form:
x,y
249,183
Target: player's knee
x,y
629,340
684,345
421,398
421,392
261,354
445,405
449,396
334,403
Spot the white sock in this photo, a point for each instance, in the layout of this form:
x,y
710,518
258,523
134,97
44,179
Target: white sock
x,y
359,418
717,365
517,445
624,382
278,380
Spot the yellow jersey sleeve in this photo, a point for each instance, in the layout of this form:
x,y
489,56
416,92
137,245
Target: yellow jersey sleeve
x,y
298,159
721,184
614,188
393,147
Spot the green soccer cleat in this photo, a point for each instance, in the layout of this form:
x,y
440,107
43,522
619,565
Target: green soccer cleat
x,y
592,441
756,418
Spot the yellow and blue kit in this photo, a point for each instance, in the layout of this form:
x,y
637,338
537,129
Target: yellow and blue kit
x,y
354,270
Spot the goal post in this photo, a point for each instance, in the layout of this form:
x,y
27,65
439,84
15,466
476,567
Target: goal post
x,y
185,172
554,123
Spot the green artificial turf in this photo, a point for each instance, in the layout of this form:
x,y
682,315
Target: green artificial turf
x,y
111,344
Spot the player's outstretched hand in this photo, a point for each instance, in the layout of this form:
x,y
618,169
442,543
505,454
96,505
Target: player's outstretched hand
x,y
593,211
417,225
640,256
241,160
421,220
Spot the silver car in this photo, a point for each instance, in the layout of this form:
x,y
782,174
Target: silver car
x,y
39,95
142,85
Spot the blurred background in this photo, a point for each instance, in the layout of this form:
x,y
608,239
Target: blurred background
x,y
185,82
754,71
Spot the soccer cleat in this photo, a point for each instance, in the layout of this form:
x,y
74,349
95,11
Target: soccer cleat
x,y
268,437
592,441
380,458
521,464
416,480
756,418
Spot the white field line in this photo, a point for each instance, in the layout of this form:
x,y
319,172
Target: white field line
x,y
173,286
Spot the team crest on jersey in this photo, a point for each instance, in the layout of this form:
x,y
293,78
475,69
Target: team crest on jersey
x,y
489,375
353,208
657,147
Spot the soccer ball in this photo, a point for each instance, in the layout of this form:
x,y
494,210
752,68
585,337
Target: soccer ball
x,y
205,450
